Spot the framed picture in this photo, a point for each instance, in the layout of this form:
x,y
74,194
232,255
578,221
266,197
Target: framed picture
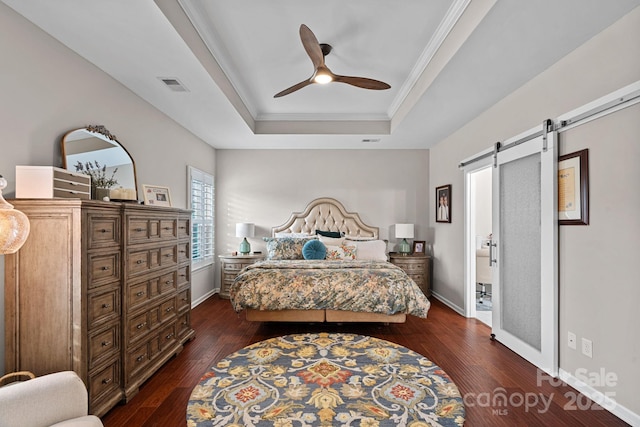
x,y
418,246
573,188
156,196
443,203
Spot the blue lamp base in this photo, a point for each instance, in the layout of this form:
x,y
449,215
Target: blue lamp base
x,y
404,248
245,247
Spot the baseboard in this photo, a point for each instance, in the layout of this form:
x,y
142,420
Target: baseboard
x,y
606,402
448,303
203,298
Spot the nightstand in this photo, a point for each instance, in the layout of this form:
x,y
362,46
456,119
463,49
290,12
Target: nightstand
x,y
417,266
230,266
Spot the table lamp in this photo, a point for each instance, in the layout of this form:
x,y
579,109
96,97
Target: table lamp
x,y
404,232
244,230
14,225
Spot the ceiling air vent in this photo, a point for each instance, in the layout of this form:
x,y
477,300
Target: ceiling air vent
x,y
174,84
371,140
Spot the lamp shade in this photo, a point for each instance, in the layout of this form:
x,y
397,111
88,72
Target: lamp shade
x,y
14,225
404,231
245,229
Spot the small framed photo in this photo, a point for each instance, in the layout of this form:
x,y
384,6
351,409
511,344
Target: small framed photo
x,y
573,188
443,203
419,246
156,196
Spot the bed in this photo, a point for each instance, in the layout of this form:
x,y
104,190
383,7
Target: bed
x,y
344,287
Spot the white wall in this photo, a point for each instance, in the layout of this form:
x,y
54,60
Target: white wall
x,y
265,186
48,90
604,312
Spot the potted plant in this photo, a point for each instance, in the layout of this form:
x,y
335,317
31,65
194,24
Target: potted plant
x,y
101,182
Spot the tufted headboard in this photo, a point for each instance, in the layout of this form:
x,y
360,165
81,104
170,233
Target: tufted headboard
x,y
326,214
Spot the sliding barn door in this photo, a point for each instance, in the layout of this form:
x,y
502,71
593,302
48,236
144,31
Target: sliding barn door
x,y
524,248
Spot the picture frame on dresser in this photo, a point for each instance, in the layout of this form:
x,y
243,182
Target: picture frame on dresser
x,y
155,195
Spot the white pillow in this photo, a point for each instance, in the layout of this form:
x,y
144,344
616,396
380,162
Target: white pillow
x,y
374,250
282,234
333,241
360,238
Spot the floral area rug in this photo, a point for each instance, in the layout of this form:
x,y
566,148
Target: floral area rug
x,y
325,379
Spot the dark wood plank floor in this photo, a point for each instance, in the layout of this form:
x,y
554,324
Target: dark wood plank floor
x,y
483,370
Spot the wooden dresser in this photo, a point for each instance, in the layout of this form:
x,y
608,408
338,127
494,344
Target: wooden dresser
x,y
417,266
88,276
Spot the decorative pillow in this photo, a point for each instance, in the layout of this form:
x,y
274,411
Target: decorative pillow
x,y
282,234
343,252
333,234
333,241
285,247
374,250
360,238
314,249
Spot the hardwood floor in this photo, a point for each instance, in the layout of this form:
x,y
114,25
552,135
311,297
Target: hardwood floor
x,y
483,370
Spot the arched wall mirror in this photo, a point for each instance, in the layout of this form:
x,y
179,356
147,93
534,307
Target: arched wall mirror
x,y
96,144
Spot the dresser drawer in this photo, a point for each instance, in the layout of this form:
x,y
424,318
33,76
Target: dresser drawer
x,y
138,359
146,260
168,229
184,324
104,344
103,306
183,252
169,256
139,325
104,381
103,231
167,310
167,337
184,228
183,299
183,276
103,268
150,229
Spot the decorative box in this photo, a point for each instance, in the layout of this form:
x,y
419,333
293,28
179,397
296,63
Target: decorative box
x,y
46,182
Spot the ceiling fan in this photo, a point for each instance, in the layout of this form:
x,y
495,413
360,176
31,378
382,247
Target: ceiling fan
x,y
322,73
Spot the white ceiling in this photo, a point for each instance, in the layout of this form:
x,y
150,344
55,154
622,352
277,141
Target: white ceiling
x,y
446,61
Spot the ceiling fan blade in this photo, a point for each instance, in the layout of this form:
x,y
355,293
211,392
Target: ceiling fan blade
x,y
293,88
311,45
362,82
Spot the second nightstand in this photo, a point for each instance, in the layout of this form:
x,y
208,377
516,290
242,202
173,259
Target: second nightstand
x,y
230,266
417,266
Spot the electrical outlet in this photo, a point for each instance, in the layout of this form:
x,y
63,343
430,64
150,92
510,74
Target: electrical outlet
x,y
587,347
571,340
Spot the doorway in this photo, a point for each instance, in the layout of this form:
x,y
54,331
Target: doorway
x,y
479,232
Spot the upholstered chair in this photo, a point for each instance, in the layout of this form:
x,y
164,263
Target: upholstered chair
x,y
59,399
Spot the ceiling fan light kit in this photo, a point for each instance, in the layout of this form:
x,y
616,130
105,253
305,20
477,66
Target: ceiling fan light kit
x,y
322,73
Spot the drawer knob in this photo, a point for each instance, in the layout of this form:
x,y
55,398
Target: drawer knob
x,y
139,294
168,282
183,275
106,343
140,261
167,255
141,325
169,336
105,268
139,229
141,358
104,230
106,380
106,305
167,228
168,309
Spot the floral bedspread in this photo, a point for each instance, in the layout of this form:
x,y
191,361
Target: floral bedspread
x,y
362,286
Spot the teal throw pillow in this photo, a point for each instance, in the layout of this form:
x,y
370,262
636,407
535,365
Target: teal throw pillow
x,y
314,249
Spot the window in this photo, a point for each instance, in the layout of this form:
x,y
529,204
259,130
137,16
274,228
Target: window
x,y
202,220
